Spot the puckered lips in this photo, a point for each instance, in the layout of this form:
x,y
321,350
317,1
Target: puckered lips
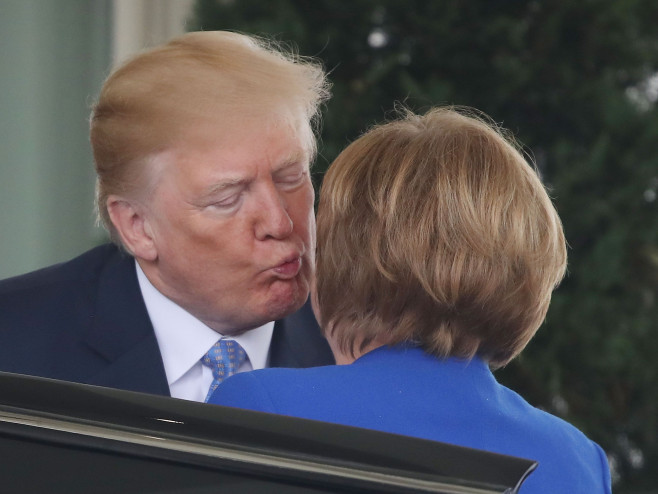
x,y
289,266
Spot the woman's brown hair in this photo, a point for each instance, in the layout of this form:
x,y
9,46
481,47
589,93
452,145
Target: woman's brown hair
x,y
434,229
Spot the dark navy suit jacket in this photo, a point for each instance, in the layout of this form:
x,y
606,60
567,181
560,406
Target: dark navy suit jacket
x,y
404,390
85,321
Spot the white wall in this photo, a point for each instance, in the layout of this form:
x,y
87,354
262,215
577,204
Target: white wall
x,y
54,55
139,24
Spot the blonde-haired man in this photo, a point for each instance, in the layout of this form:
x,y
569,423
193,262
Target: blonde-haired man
x,y
202,149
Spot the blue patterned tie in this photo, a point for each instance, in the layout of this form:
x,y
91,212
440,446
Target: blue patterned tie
x,y
224,359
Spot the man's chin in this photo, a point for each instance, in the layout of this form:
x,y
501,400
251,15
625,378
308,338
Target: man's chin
x,y
253,313
284,302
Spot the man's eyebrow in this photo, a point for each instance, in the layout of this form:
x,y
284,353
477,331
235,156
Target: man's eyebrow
x,y
300,157
223,185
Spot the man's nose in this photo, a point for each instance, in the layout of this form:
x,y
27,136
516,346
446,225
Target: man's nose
x,y
273,218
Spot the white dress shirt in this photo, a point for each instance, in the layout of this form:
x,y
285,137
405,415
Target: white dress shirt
x,y
184,340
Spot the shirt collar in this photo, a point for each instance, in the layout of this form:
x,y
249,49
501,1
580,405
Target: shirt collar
x,y
183,339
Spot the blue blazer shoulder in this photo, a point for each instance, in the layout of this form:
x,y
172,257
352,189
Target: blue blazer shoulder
x,y
404,390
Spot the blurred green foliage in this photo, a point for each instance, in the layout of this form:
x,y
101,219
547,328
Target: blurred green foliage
x,y
570,80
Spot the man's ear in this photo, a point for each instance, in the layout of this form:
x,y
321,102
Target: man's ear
x,y
132,224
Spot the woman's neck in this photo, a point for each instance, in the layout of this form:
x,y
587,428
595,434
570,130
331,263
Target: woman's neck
x,y
347,358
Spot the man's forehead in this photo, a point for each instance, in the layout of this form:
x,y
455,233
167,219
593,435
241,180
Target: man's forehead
x,y
236,173
233,155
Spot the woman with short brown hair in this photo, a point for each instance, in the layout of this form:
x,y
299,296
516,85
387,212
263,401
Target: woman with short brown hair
x,y
438,249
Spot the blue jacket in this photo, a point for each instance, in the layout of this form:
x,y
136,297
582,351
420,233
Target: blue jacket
x,y
404,390
85,321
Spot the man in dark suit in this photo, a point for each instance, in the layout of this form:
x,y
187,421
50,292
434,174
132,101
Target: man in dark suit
x,y
202,150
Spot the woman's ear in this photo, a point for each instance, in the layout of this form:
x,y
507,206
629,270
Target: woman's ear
x,y
132,223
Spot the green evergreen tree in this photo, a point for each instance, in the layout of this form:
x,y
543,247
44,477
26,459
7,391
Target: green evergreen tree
x,y
569,79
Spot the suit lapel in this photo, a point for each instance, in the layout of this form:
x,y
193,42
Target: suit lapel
x,y
122,332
